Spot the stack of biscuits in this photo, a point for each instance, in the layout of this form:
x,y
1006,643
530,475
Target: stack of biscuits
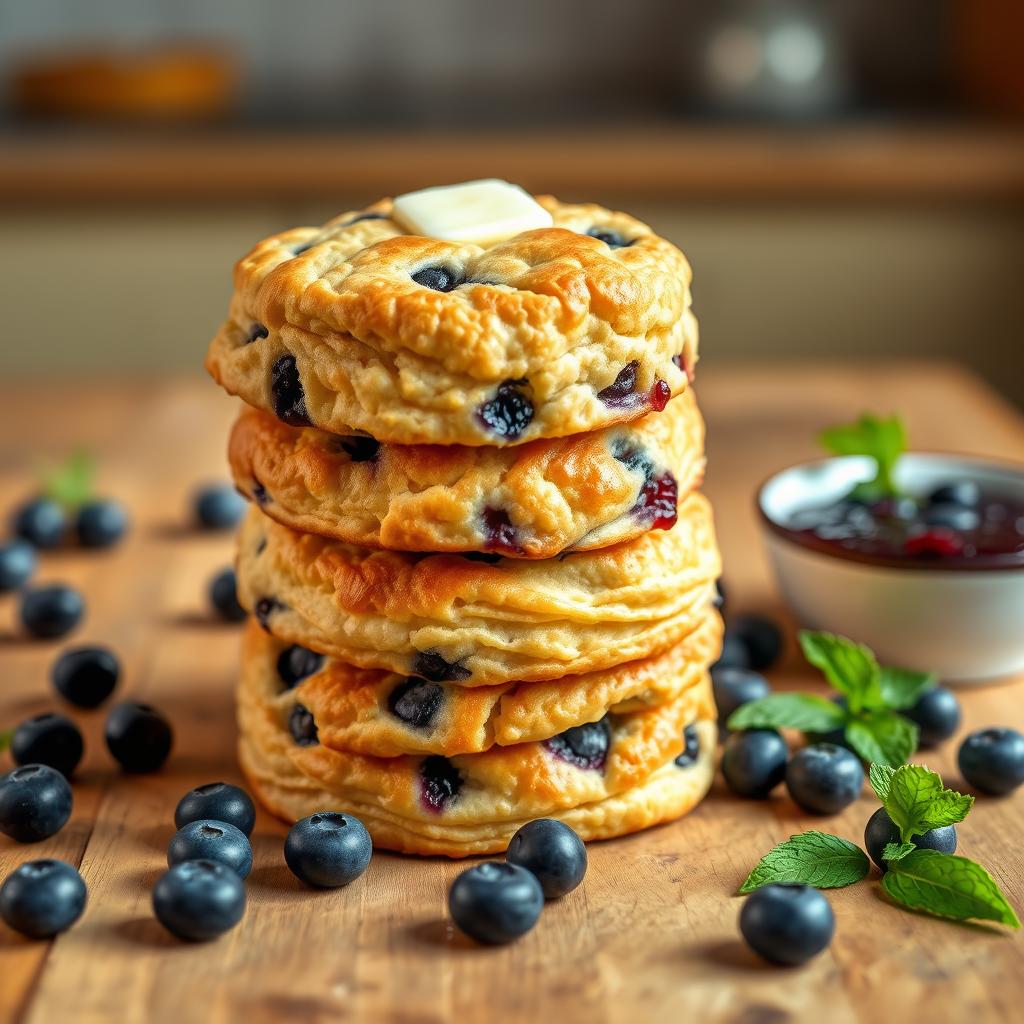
x,y
479,572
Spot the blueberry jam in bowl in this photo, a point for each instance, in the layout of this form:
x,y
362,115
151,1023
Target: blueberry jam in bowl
x,y
932,577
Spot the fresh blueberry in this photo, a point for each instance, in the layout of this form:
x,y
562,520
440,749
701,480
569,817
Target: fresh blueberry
x,y
199,900
937,714
42,522
881,830
86,676
219,801
101,524
296,663
762,637
416,702
224,596
509,413
992,760
288,394
734,652
552,853
431,665
734,687
495,903
218,507
49,739
51,611
440,782
211,840
138,736
787,923
35,803
955,517
328,849
754,762
824,778
42,898
691,748
585,746
441,279
962,492
17,564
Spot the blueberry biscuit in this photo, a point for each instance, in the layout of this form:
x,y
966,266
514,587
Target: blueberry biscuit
x,y
358,327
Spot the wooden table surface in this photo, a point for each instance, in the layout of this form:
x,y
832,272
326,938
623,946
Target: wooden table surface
x,y
651,934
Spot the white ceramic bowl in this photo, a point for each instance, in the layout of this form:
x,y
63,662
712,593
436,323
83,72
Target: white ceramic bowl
x,y
964,623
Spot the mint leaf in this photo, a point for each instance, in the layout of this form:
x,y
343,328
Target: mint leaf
x,y
882,439
803,711
883,737
850,667
881,779
897,851
917,801
901,688
71,483
811,858
5,739
947,886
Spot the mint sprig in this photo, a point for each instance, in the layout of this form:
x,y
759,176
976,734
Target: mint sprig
x,y
804,711
811,858
917,801
884,440
71,482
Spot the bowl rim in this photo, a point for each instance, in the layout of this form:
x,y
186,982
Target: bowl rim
x,y
880,561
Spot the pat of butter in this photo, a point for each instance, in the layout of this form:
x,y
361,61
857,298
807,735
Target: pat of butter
x,y
482,212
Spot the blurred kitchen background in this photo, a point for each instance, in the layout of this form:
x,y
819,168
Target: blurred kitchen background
x,y
846,176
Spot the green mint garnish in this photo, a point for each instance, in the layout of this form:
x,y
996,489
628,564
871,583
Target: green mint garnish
x,y
850,667
811,858
901,688
917,801
884,440
897,851
804,711
880,777
71,483
882,736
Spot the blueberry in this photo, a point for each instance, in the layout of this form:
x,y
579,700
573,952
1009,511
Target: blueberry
x,y
441,279
224,596
51,611
288,394
610,238
328,849
495,903
880,831
49,739
735,687
199,900
824,778
206,839
937,714
17,564
42,522
691,748
42,898
101,524
754,762
296,663
302,726
499,532
961,492
955,517
431,665
138,736
257,331
260,494
509,413
585,746
992,760
360,448
787,923
218,507
552,853
622,392
86,676
762,637
264,608
440,782
219,801
416,702
734,652
35,803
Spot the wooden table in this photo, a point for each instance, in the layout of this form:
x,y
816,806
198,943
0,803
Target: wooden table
x,y
650,936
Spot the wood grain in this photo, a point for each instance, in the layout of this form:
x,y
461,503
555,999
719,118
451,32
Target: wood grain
x,y
650,936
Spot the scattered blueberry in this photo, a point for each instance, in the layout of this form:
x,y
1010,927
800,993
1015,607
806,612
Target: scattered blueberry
x,y
199,900
328,849
17,564
992,760
440,782
787,923
735,687
218,507
509,413
416,702
881,830
218,801
691,748
224,596
138,736
35,803
734,652
585,746
51,611
552,853
86,676
50,739
965,493
302,726
296,663
754,762
937,714
289,397
42,898
101,524
431,665
824,778
42,522
495,903
762,637
441,279
211,840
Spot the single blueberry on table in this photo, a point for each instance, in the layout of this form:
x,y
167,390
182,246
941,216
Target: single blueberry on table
x,y
42,522
881,830
585,746
733,687
762,637
35,803
734,652
296,663
101,524
218,507
207,839
51,611
18,562
992,760
754,762
440,782
495,903
691,748
509,413
824,778
416,702
198,900
219,801
138,736
86,676
552,852
328,849
786,923
42,898
50,739
965,493
224,596
937,715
